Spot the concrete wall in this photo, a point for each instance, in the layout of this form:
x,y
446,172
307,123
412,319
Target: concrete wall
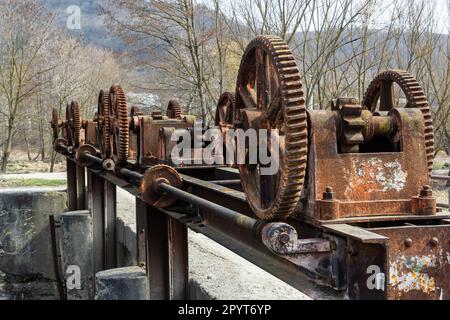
x,y
26,264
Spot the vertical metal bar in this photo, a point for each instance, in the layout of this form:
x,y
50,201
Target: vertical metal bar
x,y
141,232
157,254
81,188
448,197
110,224
56,259
96,205
71,185
179,260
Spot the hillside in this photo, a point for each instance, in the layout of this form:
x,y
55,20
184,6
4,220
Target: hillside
x,y
93,30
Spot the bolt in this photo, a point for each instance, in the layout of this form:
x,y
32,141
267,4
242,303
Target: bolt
x,y
328,194
426,191
434,241
284,238
408,242
353,250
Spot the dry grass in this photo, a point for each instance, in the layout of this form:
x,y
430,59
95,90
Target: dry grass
x,y
25,166
14,183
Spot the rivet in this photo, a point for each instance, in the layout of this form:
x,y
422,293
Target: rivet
x,y
408,242
284,238
434,241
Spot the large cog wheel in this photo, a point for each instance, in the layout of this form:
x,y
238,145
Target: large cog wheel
x,y
269,96
382,89
120,124
73,117
104,125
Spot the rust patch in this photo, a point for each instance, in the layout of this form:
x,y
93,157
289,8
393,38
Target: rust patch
x,y
374,175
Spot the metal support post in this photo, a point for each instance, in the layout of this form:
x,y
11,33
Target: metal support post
x,y
110,224
71,185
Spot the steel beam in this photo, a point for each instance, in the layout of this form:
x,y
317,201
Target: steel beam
x,y
97,206
71,185
81,187
167,254
158,254
178,260
110,215
141,231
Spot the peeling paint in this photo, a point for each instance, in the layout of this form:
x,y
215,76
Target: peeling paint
x,y
373,175
406,273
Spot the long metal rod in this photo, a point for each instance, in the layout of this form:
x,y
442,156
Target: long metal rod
x,y
442,178
95,159
233,182
240,219
131,174
71,185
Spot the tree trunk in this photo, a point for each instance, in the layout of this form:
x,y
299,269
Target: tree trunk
x,y
52,161
7,148
27,145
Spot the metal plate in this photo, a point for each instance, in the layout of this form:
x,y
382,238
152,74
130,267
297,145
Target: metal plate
x,y
420,270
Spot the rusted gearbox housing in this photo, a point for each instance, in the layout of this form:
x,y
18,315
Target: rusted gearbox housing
x,y
153,138
387,177
367,189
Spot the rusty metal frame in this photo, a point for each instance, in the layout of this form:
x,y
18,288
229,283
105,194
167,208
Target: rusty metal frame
x,y
162,238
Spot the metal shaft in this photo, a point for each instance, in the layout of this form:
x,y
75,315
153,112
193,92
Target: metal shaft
x,y
236,217
233,182
442,178
131,174
95,159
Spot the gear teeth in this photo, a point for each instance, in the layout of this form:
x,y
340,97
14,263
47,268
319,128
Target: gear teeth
x,y
174,110
76,124
292,100
123,123
415,97
105,130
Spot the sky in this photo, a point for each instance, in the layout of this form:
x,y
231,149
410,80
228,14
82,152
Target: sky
x,y
439,10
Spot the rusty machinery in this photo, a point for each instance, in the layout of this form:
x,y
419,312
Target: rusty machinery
x,y
351,196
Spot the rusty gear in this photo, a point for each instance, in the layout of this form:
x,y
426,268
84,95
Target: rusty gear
x,y
269,91
352,124
83,150
381,88
135,113
225,109
74,124
60,145
150,182
104,125
174,110
120,124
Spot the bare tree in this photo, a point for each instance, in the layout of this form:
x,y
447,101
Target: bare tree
x,y
25,28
